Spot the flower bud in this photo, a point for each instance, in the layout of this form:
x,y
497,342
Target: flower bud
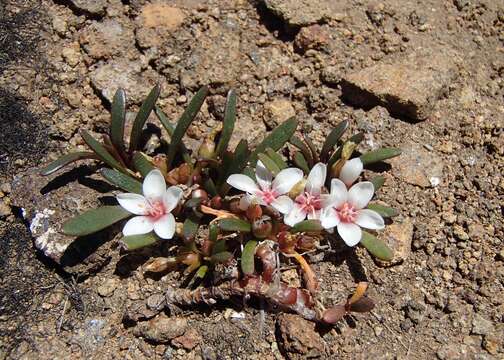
x,y
286,242
254,212
199,194
306,243
297,189
179,229
216,202
234,206
159,161
261,228
206,149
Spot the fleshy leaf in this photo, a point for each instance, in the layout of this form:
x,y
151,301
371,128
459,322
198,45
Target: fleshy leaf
x,y
384,211
134,242
201,272
94,220
142,116
297,142
170,128
220,246
234,225
379,155
332,139
273,155
307,226
376,246
213,232
118,116
101,152
209,186
190,228
269,164
364,304
183,123
221,257
247,257
301,163
276,139
228,123
378,182
234,164
65,160
122,181
355,139
311,146
142,163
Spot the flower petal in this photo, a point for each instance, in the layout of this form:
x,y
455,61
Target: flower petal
x,y
350,233
351,171
369,219
360,194
316,178
286,179
138,225
339,192
314,215
164,227
172,197
154,185
134,203
263,176
245,202
295,215
329,218
282,204
243,183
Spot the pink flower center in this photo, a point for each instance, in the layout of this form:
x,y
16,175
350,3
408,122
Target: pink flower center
x,y
156,210
268,196
309,203
347,213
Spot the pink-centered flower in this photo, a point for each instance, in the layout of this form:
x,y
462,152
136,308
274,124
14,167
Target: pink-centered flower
x,y
267,191
153,208
351,171
310,202
347,211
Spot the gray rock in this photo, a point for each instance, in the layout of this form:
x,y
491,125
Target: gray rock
x,y
93,7
298,13
481,326
46,203
298,338
408,88
108,77
398,237
107,38
161,329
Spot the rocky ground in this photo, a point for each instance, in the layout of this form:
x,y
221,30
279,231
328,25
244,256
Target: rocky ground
x,y
425,76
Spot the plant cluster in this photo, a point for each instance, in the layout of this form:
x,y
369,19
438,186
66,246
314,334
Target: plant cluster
x,y
235,216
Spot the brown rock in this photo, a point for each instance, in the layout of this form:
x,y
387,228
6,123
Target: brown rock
x,y
311,37
5,209
408,88
398,237
418,166
107,288
298,13
93,7
491,344
277,111
156,22
297,337
105,39
161,329
71,54
189,340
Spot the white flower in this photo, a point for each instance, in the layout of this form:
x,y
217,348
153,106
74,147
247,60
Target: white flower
x,y
347,211
351,171
269,192
154,208
311,200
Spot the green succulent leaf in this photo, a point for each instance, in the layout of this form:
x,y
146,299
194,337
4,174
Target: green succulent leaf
x,y
377,182
213,232
221,257
297,142
142,163
170,128
183,123
301,163
384,211
122,181
247,258
190,227
210,187
134,242
118,116
355,139
201,272
65,160
276,139
235,225
376,247
307,226
269,164
332,139
227,124
249,172
142,116
233,164
379,155
220,246
313,149
102,152
94,220
277,158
